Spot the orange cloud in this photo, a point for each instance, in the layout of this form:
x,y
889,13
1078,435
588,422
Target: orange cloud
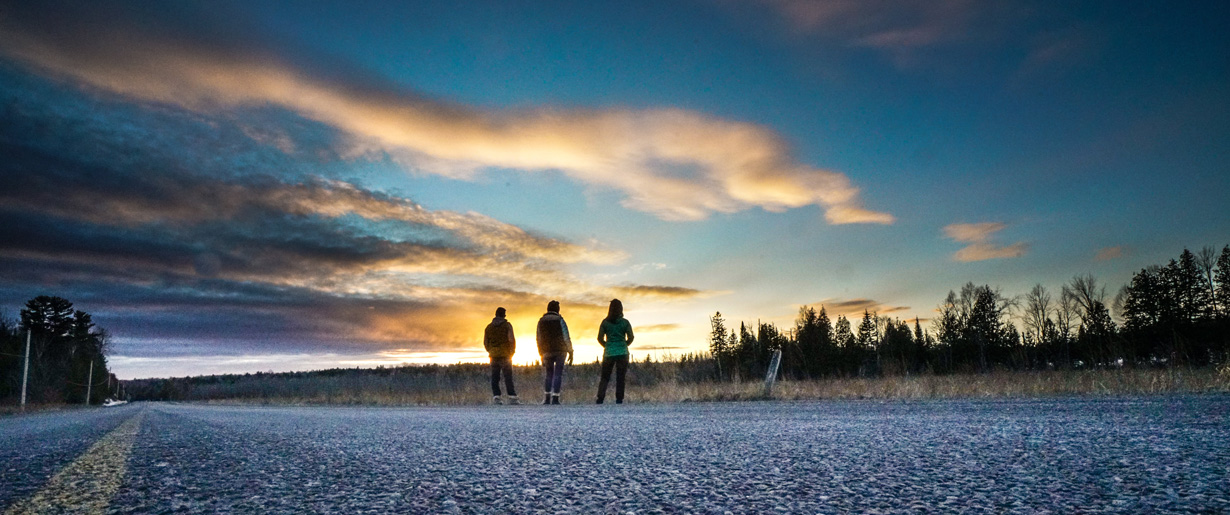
x,y
855,307
673,163
979,248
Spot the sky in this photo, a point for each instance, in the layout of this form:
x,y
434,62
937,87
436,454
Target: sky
x,y
231,187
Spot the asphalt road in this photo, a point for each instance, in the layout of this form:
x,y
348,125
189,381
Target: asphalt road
x,y
1123,455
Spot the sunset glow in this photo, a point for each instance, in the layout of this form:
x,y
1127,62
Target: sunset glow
x,y
242,187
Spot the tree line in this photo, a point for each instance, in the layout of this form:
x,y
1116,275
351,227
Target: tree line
x,y
67,355
1172,315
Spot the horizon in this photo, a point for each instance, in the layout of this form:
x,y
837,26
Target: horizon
x,y
234,188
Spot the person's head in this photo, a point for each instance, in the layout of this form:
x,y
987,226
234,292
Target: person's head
x,y
553,306
616,310
499,312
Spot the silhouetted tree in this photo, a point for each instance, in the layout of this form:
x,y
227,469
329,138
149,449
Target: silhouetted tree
x,y
721,346
1195,299
864,351
1206,260
1222,279
64,346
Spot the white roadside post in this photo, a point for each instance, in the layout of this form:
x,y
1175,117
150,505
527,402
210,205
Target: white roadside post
x,y
89,384
770,376
25,371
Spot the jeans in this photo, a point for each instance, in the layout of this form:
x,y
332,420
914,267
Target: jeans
x,y
502,366
620,364
554,366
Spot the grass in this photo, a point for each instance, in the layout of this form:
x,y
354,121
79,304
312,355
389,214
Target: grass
x,y
654,383
15,408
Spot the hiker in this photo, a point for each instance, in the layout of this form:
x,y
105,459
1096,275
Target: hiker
x,y
614,335
501,344
554,344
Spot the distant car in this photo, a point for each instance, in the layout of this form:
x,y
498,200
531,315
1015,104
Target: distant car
x,y
112,402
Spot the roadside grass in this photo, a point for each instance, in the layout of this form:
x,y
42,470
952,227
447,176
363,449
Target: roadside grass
x,y
14,408
657,383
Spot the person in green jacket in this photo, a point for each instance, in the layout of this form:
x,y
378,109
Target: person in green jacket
x,y
501,344
614,335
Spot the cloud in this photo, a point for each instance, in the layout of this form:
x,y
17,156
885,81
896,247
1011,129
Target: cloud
x,y
913,34
662,292
673,163
977,235
657,328
175,262
972,233
889,25
1109,253
856,307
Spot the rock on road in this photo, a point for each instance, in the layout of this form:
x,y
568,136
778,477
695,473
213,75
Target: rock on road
x,y
1118,455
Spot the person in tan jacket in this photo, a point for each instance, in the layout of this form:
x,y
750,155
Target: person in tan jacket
x,y
501,344
554,344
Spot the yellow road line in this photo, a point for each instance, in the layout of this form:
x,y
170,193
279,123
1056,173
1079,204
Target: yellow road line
x,y
88,484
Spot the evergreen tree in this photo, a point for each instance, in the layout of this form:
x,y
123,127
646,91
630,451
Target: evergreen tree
x,y
896,350
719,344
948,331
1222,279
983,327
1097,335
1195,300
847,350
807,338
842,335
748,352
828,347
866,345
64,347
922,346
868,336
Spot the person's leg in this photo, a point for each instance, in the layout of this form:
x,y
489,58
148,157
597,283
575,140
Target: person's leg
x,y
605,379
509,387
548,366
621,372
495,377
558,380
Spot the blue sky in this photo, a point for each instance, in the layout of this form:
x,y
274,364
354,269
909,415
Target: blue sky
x,y
232,187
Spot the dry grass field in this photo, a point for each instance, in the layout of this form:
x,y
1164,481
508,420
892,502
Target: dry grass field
x,y
655,383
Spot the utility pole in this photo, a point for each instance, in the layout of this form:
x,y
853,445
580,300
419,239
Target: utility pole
x,y
25,371
89,384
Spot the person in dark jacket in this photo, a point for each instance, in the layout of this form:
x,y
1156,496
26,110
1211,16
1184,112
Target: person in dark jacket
x,y
614,335
501,344
554,344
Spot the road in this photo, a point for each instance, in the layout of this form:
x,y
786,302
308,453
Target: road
x,y
1120,455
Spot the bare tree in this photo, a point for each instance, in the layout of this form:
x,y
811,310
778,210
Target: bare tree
x,y
1037,310
1086,293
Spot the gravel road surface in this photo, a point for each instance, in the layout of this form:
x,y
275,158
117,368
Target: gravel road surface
x,y
1121,455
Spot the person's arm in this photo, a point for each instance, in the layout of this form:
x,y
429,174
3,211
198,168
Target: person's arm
x,y
486,341
630,335
601,335
567,339
512,338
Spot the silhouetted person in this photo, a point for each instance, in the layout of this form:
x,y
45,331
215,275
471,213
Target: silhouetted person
x,y
554,344
501,344
614,335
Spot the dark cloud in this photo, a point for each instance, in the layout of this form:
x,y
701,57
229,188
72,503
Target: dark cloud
x,y
178,251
